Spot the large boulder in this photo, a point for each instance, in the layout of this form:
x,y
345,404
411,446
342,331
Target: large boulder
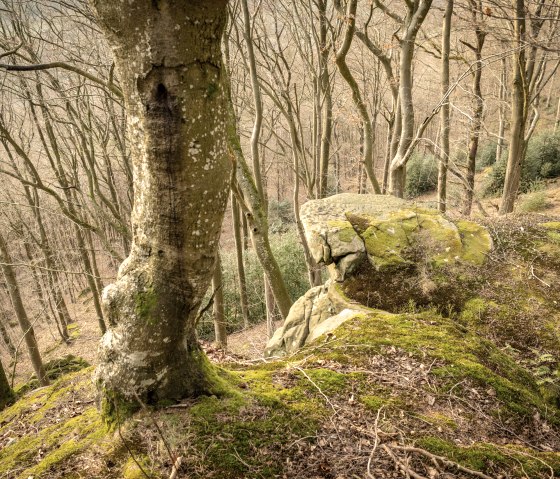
x,y
381,252
345,229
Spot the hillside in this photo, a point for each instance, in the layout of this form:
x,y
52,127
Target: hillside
x,y
428,391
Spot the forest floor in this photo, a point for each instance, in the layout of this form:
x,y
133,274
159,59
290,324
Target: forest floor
x,y
390,396
247,343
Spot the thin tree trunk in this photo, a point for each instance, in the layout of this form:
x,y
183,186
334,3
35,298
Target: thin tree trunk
x,y
478,111
242,281
269,301
414,20
444,114
502,116
6,338
518,114
326,95
218,306
367,157
21,314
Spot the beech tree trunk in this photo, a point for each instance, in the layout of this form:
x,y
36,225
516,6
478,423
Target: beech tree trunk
x,y
241,279
416,15
519,106
169,62
445,124
476,126
220,331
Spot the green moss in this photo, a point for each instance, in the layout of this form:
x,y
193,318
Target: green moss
x,y
375,402
330,382
242,434
406,236
551,225
75,436
343,230
440,420
489,458
145,304
477,242
465,356
57,440
132,470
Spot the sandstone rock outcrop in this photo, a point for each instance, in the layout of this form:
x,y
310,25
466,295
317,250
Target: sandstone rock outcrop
x,y
381,252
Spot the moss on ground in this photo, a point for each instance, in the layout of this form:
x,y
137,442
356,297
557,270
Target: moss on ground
x,y
262,418
518,461
464,355
52,433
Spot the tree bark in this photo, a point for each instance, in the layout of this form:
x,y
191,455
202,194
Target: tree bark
x,y
168,58
241,279
367,157
220,333
6,393
478,109
326,95
21,314
502,120
413,22
518,113
444,114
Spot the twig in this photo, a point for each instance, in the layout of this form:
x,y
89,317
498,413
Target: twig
x,y
172,456
126,444
403,467
536,277
447,462
328,401
176,467
375,444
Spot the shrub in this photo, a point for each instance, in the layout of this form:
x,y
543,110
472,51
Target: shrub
x,y
280,216
486,155
289,254
542,161
421,175
535,200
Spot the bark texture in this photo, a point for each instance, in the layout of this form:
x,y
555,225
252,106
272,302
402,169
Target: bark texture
x,y
6,393
444,114
169,62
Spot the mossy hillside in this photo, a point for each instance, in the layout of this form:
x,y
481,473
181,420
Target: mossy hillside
x,y
463,355
274,408
55,368
59,420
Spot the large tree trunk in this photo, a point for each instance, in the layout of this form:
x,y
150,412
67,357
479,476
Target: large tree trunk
x,y
169,62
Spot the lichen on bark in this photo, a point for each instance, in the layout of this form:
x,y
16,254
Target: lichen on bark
x,y
168,59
